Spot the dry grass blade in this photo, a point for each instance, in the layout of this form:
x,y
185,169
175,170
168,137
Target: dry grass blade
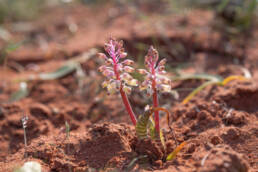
x,y
172,155
211,82
131,165
197,90
61,72
233,77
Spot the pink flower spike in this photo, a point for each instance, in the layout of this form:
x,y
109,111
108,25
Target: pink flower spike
x,y
151,58
153,82
117,73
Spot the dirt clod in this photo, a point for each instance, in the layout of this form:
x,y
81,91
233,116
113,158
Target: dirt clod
x,y
224,159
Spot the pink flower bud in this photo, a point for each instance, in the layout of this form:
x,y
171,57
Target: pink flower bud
x,y
162,72
123,55
142,71
128,62
162,62
107,47
128,69
161,68
119,67
102,68
126,77
151,58
165,80
108,73
102,56
109,61
164,88
120,44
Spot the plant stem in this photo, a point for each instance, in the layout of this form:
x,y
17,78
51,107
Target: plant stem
x,y
128,106
155,100
155,105
124,96
25,142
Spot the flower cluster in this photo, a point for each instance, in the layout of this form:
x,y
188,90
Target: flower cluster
x,y
116,72
154,75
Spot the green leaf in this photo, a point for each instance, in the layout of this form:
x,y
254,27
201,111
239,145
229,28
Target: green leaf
x,y
152,130
141,125
21,93
59,73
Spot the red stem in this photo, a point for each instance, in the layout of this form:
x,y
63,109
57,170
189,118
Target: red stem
x,y
128,106
124,96
155,105
155,100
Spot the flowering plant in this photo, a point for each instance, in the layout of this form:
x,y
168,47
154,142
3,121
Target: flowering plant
x,y
155,81
117,70
117,73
